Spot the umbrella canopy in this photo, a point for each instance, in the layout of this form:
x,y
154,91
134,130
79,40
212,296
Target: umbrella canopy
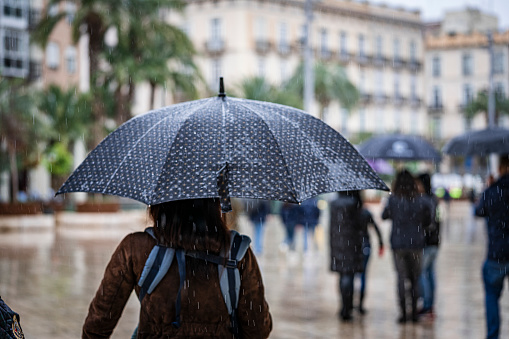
x,y
480,142
399,147
221,147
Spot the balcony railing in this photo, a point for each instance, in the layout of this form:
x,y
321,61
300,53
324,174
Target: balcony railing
x,y
262,46
362,59
344,56
398,62
215,46
398,100
380,99
414,65
415,102
366,98
436,107
379,61
325,54
284,48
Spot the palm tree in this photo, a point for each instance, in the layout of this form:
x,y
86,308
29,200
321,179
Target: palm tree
x,y
480,105
19,127
132,20
68,115
331,83
257,88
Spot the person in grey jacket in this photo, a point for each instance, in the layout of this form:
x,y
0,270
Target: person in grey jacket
x,y
410,214
346,245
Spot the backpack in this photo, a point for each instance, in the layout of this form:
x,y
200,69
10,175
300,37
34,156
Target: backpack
x,y
161,258
9,323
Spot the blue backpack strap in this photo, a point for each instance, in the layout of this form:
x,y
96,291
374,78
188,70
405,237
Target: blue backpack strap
x,y
229,277
156,267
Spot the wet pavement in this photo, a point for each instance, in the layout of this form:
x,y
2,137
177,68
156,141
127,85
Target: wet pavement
x,y
50,276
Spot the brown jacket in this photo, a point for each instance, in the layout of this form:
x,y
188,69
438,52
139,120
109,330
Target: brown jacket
x,y
203,311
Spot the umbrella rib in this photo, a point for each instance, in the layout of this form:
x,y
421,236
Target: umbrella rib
x,y
138,141
275,141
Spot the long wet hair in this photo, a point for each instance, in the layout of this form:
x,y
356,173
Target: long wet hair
x,y
425,180
355,194
195,224
405,185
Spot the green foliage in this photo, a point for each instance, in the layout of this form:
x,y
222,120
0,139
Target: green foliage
x,y
480,105
58,160
257,88
331,83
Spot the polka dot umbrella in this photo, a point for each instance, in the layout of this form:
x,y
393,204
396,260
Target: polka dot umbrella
x,y
222,147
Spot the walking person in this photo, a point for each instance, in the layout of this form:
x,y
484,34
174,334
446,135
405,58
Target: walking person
x,y
181,305
258,210
410,214
431,242
309,216
494,206
346,246
366,221
290,215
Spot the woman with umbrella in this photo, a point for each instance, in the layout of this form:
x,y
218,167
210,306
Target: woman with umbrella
x,y
410,213
173,310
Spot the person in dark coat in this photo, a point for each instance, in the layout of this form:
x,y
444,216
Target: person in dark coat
x,y
189,225
290,215
346,245
366,221
257,210
309,216
432,240
494,206
410,214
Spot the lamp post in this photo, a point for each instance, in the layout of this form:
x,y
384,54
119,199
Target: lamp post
x,y
309,78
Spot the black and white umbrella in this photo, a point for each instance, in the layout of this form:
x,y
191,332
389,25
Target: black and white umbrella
x,y
481,142
399,147
222,147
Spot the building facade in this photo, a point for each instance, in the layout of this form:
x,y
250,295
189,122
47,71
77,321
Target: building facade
x,y
380,47
457,67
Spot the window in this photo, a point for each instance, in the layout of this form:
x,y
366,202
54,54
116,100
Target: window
x,y
260,29
361,45
435,67
216,69
15,53
13,8
324,37
342,44
436,97
53,10
52,55
378,46
395,48
397,93
379,83
12,41
283,38
261,67
499,90
436,127
70,59
70,9
413,51
467,64
468,94
413,88
498,62
215,29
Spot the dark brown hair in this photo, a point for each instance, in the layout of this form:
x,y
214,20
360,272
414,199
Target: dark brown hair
x,y
195,224
405,185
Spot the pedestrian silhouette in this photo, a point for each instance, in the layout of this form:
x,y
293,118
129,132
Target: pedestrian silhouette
x,y
257,210
366,221
494,206
308,217
346,246
410,213
432,240
290,215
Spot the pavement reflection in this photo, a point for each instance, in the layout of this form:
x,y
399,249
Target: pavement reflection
x,y
50,277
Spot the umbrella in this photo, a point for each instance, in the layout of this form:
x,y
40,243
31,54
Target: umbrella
x,y
480,142
222,147
381,166
399,147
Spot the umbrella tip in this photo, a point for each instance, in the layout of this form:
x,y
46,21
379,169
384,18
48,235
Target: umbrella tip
x,y
221,88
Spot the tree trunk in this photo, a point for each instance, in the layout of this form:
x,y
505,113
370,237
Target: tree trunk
x,y
14,174
152,94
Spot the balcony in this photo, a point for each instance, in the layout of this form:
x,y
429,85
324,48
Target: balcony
x,y
362,59
262,46
344,57
284,49
325,54
435,108
398,100
415,102
398,63
380,99
379,61
414,65
366,98
215,46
